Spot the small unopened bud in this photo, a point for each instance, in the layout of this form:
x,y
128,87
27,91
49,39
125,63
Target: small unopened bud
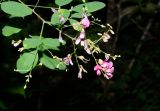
x,y
99,34
21,49
100,61
16,43
103,26
111,31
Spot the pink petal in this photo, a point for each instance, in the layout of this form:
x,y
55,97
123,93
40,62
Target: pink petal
x,y
82,43
110,75
82,34
97,67
88,51
70,61
98,72
110,64
85,22
112,70
104,64
78,40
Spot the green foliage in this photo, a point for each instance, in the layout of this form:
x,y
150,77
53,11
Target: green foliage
x,y
60,17
9,30
91,6
41,43
75,24
16,9
55,19
31,43
52,63
27,61
79,15
62,2
50,43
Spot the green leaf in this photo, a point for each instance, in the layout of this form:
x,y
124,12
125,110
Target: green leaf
x,y
55,19
50,43
60,17
52,63
75,24
16,9
62,2
31,43
79,15
27,61
61,66
64,12
9,30
91,6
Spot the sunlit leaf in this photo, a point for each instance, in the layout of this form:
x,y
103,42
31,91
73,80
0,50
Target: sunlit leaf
x,y
50,43
79,15
60,16
91,6
31,43
27,61
55,19
9,30
61,66
64,12
52,63
62,2
16,9
75,24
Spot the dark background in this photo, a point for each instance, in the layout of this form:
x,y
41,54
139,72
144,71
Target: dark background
x,y
134,87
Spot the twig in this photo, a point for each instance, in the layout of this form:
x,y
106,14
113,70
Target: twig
x,y
36,5
139,46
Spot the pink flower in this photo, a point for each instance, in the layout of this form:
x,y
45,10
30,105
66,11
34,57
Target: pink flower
x,y
81,37
107,64
85,22
81,40
67,60
98,68
106,68
108,75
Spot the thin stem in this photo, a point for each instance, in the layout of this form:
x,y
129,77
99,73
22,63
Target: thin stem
x,y
34,12
30,72
39,16
75,54
42,30
50,53
94,58
65,34
36,5
95,42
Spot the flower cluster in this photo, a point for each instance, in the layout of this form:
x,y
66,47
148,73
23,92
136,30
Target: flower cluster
x,y
104,67
81,38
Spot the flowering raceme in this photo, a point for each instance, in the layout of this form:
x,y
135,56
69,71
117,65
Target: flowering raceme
x,y
105,67
81,38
